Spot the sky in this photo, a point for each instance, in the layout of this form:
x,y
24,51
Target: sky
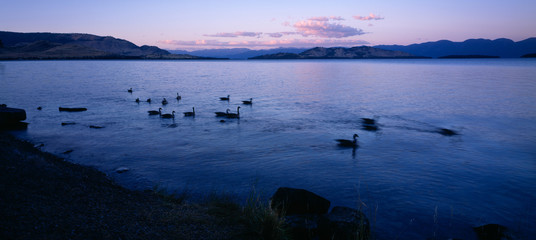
x,y
209,24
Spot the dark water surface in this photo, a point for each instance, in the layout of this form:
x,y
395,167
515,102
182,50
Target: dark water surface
x,y
414,183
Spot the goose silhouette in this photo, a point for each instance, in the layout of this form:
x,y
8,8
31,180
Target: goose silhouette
x,y
348,143
154,112
164,102
190,114
167,115
246,102
137,100
129,90
178,97
225,98
222,114
234,115
148,100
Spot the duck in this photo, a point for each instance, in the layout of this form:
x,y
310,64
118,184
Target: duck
x,y
148,100
348,143
225,98
137,100
190,114
164,102
129,90
222,114
167,115
178,97
234,115
248,102
154,112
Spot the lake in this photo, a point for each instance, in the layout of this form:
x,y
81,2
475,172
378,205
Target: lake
x,y
410,180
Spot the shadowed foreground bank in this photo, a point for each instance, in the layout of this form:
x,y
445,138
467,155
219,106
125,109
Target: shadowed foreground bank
x,y
44,197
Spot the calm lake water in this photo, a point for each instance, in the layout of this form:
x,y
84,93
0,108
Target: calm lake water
x,y
414,183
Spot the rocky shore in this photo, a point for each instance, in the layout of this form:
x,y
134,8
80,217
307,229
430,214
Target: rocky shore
x,y
44,197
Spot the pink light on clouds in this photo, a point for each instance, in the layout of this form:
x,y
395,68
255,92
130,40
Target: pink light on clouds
x,y
369,17
235,34
298,43
325,19
325,29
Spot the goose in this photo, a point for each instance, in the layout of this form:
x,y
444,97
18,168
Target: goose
x,y
148,100
164,102
368,121
190,114
234,115
225,98
154,112
248,102
178,97
137,100
130,90
348,143
369,124
223,114
167,115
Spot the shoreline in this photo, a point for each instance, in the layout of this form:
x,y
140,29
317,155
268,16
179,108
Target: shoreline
x,y
44,197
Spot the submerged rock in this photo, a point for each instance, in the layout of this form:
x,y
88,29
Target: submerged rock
x,y
446,132
95,126
121,169
291,201
490,232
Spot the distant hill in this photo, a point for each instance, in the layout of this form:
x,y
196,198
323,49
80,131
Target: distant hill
x,y
237,53
76,46
340,53
502,47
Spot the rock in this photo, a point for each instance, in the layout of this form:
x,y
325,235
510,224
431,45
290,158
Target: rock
x,y
65,109
307,226
292,201
95,126
68,151
67,123
11,115
121,169
490,232
347,223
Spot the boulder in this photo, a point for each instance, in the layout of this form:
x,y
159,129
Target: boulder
x,y
307,226
11,115
347,223
292,201
490,232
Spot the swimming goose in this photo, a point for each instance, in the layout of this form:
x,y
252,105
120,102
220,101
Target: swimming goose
x,y
167,115
154,112
190,114
164,102
248,102
222,114
137,100
130,90
234,115
148,100
348,143
178,97
225,98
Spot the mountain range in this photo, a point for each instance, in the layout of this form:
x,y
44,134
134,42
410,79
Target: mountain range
x,y
14,45
504,48
340,53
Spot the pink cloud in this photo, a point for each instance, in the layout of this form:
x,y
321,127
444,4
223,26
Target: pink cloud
x,y
369,17
236,34
325,19
298,43
325,29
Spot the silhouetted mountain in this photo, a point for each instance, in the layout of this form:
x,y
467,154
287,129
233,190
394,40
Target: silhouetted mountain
x,y
237,53
501,47
340,53
76,46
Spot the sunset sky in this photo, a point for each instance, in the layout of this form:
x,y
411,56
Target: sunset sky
x,y
206,24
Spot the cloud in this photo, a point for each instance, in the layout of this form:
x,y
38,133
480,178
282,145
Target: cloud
x,y
369,17
325,29
235,34
298,43
325,19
